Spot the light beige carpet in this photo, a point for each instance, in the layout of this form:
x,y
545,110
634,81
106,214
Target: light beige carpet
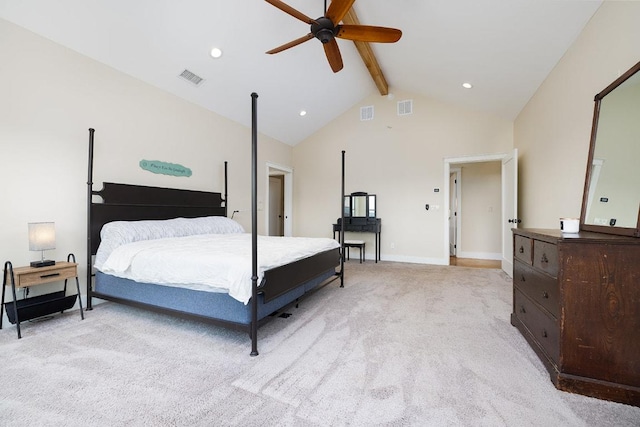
x,y
400,345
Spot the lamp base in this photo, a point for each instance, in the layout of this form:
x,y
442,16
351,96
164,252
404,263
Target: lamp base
x,y
43,263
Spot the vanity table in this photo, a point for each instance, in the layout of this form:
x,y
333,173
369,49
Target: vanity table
x,y
360,217
576,296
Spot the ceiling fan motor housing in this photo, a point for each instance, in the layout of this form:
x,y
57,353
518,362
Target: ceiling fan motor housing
x,y
323,29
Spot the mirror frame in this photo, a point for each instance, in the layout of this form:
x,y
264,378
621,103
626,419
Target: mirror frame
x,y
622,231
347,205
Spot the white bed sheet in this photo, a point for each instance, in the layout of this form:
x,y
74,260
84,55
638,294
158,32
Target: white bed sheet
x,y
209,262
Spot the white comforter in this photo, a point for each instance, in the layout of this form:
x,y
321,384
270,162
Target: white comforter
x,y
209,262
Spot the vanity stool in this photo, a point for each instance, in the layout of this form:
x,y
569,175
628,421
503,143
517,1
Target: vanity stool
x,y
355,244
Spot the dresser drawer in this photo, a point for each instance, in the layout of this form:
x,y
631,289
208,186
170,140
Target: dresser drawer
x,y
542,327
539,287
545,257
522,249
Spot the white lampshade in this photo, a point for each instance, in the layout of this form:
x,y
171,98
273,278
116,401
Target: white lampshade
x,y
42,236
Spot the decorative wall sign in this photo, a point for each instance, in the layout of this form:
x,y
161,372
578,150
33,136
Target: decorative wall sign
x,y
165,168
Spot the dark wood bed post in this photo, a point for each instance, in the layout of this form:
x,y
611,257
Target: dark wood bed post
x,y
89,195
254,225
342,227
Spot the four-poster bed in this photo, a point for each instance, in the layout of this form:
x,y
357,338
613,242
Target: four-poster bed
x,y
140,218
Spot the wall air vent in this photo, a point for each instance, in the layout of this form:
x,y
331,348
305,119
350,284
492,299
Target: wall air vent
x,y
191,77
405,107
366,113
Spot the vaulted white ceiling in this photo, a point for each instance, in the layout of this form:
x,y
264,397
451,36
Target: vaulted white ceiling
x,y
505,48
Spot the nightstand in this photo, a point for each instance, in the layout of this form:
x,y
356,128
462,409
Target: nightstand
x,y
42,305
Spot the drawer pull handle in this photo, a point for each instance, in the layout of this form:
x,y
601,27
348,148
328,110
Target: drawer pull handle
x,y
44,276
544,333
545,294
522,279
522,310
521,250
544,258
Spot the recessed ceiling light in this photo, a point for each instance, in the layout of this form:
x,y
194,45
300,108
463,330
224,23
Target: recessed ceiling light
x,y
467,85
216,53
303,113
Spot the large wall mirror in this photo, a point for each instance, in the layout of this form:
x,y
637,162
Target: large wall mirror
x,y
360,205
611,200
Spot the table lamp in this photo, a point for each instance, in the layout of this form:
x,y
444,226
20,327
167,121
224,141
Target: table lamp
x,y
42,237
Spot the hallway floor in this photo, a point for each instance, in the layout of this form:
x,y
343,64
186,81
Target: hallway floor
x,y
478,263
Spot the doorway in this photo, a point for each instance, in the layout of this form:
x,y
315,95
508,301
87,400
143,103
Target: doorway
x,y
509,201
276,205
279,200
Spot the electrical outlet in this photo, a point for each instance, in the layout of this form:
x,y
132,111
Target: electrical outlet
x,y
393,245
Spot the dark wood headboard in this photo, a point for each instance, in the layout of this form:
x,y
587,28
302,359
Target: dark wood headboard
x,y
125,202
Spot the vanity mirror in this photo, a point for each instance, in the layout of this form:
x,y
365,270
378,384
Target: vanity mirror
x,y
360,204
611,199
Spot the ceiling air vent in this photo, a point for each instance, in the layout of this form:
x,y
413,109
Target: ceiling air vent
x,y
405,107
366,113
191,77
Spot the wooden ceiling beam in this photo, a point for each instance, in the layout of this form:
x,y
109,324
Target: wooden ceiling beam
x,y
369,59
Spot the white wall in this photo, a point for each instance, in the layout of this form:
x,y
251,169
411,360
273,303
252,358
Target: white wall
x,y
50,96
398,158
552,132
481,213
401,158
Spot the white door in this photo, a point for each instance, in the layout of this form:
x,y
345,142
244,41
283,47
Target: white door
x,y
509,208
453,211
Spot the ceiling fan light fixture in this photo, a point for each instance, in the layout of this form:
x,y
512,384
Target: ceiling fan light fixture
x,y
216,53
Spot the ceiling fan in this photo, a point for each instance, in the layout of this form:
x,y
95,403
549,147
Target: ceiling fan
x,y
327,28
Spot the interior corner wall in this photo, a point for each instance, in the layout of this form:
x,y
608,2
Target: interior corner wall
x,y
398,158
553,131
51,95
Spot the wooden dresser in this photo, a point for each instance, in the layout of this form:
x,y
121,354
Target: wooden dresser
x,y
576,300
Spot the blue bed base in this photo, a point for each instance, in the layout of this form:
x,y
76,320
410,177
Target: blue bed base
x,y
193,303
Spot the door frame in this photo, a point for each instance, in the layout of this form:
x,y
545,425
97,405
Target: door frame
x,y
288,196
448,162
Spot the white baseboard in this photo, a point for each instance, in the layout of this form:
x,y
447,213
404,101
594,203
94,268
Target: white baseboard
x,y
480,255
412,259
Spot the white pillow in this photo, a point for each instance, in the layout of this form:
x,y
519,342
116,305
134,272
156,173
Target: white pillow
x,y
118,233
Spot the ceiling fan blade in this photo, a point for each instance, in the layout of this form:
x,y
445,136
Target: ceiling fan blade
x,y
368,33
333,55
337,10
291,11
293,43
